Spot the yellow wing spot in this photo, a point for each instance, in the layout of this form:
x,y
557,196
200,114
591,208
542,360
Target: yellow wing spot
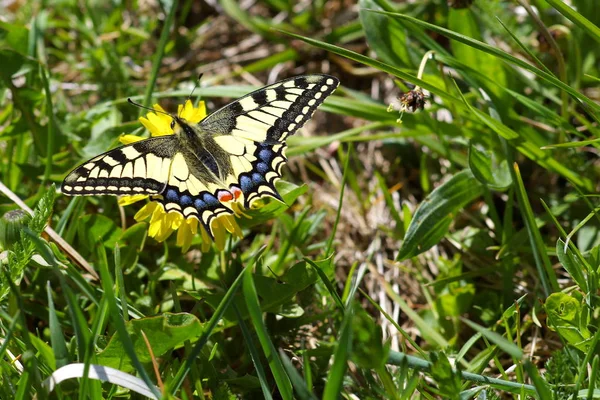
x,y
230,144
110,161
274,111
127,170
116,172
295,91
267,118
130,152
271,95
248,103
282,104
179,168
139,168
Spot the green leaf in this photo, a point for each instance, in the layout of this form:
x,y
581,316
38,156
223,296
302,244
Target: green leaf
x,y
289,192
385,36
463,22
12,62
97,227
164,333
433,217
274,293
512,349
572,264
488,169
566,316
368,349
15,36
447,379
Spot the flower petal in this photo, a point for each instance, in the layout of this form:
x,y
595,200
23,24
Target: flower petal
x,y
154,131
127,200
229,223
205,240
174,220
145,211
128,139
184,237
162,125
220,233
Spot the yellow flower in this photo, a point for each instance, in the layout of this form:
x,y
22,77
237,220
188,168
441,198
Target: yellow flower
x,y
163,223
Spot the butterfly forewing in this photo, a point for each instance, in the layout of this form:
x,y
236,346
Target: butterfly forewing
x,y
253,130
139,168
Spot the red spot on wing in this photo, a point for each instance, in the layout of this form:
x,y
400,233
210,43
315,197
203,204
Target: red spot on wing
x,y
237,192
224,196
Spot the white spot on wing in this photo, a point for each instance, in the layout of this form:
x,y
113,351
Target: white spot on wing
x,y
230,144
94,173
116,171
127,171
248,103
130,152
272,110
179,167
266,118
139,169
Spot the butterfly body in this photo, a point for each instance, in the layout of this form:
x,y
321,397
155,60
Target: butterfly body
x,y
234,154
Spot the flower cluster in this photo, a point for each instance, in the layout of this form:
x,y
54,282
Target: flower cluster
x,y
163,223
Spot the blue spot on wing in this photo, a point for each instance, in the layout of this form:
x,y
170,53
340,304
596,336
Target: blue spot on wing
x,y
262,168
185,200
172,196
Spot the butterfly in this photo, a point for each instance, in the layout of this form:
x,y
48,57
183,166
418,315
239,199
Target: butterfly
x,y
236,153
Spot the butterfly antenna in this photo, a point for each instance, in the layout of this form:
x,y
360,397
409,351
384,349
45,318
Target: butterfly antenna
x,y
194,88
196,85
148,108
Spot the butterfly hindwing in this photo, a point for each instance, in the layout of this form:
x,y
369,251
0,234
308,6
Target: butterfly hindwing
x,y
253,130
139,168
193,189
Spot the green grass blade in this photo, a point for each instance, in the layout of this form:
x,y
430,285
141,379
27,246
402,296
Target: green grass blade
x,y
335,378
500,54
300,386
59,345
281,378
117,319
576,18
260,371
177,380
160,51
332,290
542,261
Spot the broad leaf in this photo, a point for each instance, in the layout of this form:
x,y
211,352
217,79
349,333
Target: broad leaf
x,y
433,217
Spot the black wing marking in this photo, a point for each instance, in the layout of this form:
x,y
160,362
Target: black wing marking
x,y
138,168
253,130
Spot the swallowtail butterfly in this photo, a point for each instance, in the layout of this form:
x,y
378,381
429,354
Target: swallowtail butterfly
x,y
235,153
